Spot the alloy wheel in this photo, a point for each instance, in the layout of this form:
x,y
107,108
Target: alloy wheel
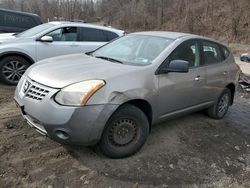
x,y
13,71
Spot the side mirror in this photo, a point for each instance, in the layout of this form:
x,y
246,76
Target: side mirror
x,y
46,39
177,66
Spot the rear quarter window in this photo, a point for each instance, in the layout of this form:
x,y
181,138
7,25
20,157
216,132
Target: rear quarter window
x,y
226,52
110,35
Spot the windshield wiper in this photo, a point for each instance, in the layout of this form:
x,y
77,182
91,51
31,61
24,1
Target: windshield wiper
x,y
89,53
109,59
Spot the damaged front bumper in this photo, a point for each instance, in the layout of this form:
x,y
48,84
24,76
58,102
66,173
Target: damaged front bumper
x,y
64,124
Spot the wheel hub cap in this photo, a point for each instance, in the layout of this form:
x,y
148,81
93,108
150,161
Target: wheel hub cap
x,y
123,132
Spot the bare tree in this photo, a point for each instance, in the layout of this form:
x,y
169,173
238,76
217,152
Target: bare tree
x,y
224,19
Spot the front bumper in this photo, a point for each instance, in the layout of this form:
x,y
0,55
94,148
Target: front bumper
x,y
64,124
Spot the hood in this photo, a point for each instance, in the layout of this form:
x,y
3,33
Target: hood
x,y
6,36
61,71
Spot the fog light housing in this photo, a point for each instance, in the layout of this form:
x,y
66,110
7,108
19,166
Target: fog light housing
x,y
62,135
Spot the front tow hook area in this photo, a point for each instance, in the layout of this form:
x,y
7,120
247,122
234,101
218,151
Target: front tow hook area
x,y
21,107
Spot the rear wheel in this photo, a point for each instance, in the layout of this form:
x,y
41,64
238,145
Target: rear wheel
x,y
12,68
125,132
220,108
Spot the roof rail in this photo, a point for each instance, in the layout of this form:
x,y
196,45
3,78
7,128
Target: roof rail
x,y
62,19
78,20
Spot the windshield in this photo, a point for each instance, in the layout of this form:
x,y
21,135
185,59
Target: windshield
x,y
35,30
134,49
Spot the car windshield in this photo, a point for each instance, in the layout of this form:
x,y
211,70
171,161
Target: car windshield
x,y
35,30
133,49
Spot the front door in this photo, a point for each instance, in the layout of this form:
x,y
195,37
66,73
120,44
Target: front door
x,y
180,91
65,41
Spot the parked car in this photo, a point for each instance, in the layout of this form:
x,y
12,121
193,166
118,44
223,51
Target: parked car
x,y
245,57
18,52
15,21
112,96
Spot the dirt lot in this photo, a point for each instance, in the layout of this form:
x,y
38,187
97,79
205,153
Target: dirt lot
x,y
192,151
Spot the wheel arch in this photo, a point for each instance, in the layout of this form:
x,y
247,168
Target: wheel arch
x,y
232,88
15,53
144,106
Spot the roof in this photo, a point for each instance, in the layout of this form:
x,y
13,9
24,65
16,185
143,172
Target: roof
x,y
170,35
86,25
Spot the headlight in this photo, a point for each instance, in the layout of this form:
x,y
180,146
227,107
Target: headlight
x,y
78,94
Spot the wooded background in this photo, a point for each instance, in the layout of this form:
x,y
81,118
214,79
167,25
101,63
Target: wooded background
x,y
226,20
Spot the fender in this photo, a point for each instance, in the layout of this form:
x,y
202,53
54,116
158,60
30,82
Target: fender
x,y
4,54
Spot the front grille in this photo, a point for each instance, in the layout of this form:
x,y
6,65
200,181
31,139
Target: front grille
x,y
37,92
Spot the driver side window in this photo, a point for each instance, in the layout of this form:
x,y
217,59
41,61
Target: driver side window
x,y
64,34
187,51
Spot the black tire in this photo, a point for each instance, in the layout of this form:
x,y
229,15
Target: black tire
x,y
12,68
125,132
220,108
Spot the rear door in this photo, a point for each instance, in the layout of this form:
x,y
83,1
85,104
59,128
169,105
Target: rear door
x,y
178,91
65,41
217,73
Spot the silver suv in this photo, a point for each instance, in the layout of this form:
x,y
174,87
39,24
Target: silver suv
x,y
18,52
112,96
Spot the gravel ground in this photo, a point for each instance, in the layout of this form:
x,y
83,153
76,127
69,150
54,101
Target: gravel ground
x,y
192,151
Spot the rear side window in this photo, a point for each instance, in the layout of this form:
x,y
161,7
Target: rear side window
x,y
211,53
92,35
96,35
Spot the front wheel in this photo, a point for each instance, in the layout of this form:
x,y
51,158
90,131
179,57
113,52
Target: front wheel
x,y
125,132
12,68
220,108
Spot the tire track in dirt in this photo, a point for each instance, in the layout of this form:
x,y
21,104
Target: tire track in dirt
x,y
191,151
